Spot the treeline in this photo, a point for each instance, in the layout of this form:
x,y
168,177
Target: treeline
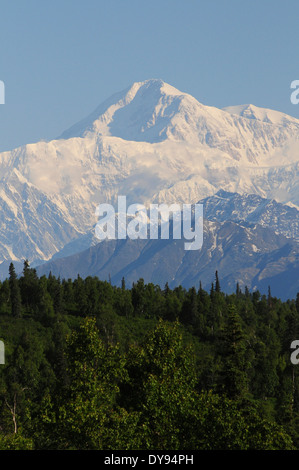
x,y
89,365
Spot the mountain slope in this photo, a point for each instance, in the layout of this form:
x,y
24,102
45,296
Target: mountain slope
x,y
252,209
253,256
247,209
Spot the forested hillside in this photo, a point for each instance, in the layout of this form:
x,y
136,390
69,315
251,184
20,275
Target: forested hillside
x,y
89,365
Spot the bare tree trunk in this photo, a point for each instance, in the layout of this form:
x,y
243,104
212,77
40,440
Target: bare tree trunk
x,y
13,410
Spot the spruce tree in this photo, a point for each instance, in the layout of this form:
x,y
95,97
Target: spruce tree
x,y
235,381
29,286
15,295
217,283
212,291
247,293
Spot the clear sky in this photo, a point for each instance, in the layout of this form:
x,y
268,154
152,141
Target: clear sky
x,y
60,59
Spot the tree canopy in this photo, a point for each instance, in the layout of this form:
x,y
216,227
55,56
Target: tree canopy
x,y
92,366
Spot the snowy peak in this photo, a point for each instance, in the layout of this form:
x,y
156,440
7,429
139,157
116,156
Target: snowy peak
x,y
252,209
153,111
249,111
140,113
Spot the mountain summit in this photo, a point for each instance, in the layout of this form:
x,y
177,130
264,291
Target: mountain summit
x,y
153,111
142,113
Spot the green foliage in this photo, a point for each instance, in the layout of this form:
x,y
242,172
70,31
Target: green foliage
x,y
15,442
161,387
235,363
93,366
15,294
224,424
80,414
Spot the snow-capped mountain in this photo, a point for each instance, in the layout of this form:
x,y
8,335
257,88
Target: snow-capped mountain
x,y
253,209
150,142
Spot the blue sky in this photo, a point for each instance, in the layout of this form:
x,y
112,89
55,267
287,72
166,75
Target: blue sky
x,y
60,59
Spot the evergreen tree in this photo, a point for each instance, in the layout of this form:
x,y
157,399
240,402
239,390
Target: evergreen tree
x,y
80,296
44,302
138,297
269,300
189,313
217,283
15,294
29,286
212,291
234,377
55,290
